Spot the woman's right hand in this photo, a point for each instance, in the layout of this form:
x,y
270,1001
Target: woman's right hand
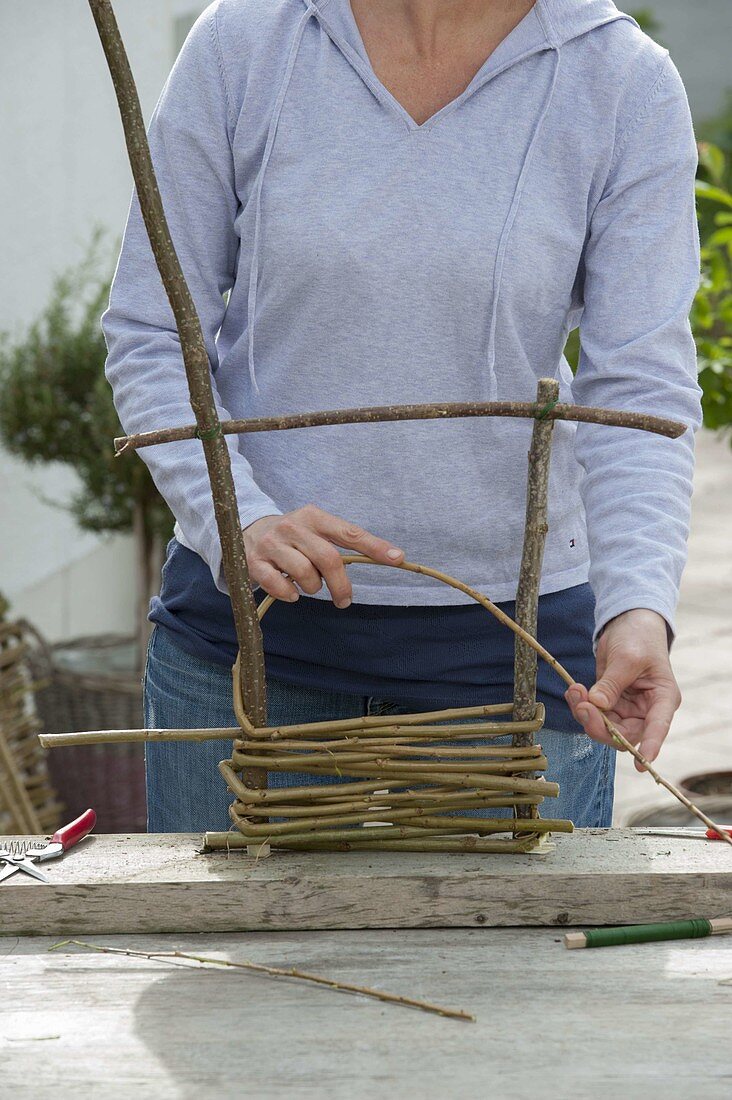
x,y
302,544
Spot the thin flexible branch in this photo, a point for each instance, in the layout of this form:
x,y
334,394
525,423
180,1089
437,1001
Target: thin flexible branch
x,y
276,972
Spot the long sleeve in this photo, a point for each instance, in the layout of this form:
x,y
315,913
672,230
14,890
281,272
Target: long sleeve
x,y
190,141
642,270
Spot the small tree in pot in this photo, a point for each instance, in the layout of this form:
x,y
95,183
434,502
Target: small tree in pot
x,y
56,406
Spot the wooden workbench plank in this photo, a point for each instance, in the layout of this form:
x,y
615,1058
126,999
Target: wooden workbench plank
x,y
162,883
638,1021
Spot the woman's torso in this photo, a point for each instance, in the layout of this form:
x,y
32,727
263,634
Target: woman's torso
x,y
385,262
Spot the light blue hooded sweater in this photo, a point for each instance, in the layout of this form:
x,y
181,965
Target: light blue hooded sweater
x,y
371,260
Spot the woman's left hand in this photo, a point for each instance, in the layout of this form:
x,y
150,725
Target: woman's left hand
x,y
635,684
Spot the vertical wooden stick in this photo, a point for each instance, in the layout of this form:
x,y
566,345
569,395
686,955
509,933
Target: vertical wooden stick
x,y
527,596
198,373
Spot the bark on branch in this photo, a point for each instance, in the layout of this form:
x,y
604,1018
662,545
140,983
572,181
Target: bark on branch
x,y
615,418
197,367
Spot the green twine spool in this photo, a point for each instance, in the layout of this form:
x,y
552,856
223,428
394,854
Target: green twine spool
x,y
648,933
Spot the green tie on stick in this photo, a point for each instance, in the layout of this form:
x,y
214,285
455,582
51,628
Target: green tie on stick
x,y
648,933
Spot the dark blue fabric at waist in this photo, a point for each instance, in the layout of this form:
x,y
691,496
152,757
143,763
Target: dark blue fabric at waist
x,y
456,655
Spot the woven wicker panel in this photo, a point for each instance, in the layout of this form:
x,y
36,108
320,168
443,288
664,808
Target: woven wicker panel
x,y
28,800
413,782
111,779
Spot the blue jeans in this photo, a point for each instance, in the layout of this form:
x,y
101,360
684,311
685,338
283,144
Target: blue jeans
x,y
186,793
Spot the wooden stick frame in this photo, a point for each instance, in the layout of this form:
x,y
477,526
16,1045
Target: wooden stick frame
x,y
249,782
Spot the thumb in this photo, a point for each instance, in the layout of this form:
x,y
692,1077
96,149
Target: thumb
x,y
620,673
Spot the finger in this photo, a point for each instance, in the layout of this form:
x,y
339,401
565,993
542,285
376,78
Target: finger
x,y
353,537
622,670
273,582
631,728
298,566
327,559
591,720
657,725
575,694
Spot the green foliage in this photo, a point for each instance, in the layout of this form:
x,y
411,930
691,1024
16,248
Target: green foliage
x,y
647,21
56,404
717,132
711,315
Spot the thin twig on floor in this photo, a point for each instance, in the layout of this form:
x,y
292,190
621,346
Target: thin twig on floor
x,y
277,972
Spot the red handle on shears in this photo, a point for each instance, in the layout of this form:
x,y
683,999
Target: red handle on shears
x,y
712,834
71,834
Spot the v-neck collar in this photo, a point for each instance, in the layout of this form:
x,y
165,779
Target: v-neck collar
x,y
526,37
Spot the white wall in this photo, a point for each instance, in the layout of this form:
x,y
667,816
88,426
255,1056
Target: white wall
x,y
64,167
698,34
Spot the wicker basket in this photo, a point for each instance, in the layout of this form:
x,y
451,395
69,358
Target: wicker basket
x,y
28,801
74,694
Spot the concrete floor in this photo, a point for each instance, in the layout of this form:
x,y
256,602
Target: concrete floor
x,y
700,737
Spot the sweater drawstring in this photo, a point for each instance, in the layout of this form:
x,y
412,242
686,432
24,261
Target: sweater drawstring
x,y
272,130
505,232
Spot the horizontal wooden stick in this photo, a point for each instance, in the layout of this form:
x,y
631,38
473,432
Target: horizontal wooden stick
x,y
616,418
392,747
229,733
336,792
321,827
309,761
464,800
271,833
433,798
378,721
376,726
410,774
215,842
477,729
112,737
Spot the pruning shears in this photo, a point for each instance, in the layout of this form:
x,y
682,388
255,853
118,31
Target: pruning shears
x,y
18,857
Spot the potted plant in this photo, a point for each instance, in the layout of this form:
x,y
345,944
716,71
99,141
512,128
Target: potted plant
x,y
56,406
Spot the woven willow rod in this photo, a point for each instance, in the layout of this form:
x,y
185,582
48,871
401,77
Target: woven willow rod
x,y
373,414
356,746
414,774
455,800
415,828
216,842
389,733
370,792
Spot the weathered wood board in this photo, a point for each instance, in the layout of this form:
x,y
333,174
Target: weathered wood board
x,y
638,1022
161,883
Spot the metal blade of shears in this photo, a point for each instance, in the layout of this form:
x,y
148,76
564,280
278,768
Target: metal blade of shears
x,y
14,865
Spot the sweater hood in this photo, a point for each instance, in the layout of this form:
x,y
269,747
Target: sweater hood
x,y
547,27
560,20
